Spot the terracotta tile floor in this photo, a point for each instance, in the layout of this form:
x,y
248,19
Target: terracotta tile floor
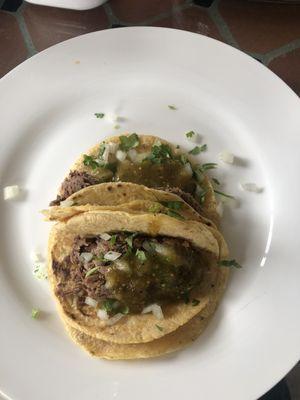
x,y
267,31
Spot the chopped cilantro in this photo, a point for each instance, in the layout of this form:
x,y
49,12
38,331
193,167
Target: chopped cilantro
x,y
110,305
160,153
129,142
172,107
154,208
224,194
174,214
141,255
159,327
124,310
183,158
117,126
229,263
91,271
89,161
200,194
198,149
113,240
99,115
205,167
101,150
178,147
190,134
35,313
215,180
195,302
173,205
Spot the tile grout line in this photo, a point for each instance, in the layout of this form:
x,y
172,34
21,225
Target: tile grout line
x,y
31,50
110,15
213,12
281,51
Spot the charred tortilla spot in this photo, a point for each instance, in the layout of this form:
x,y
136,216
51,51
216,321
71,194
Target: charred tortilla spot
x,y
109,188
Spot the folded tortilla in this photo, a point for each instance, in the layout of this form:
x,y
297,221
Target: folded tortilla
x,y
139,328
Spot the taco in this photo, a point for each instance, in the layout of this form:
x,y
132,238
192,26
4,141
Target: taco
x,y
125,196
145,160
109,269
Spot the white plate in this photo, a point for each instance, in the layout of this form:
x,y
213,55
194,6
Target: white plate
x,y
47,108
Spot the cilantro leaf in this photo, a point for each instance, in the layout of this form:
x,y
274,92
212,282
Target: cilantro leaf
x,y
129,142
224,194
172,107
173,205
183,159
101,150
89,161
109,305
35,313
99,115
229,263
215,180
190,134
113,240
207,166
174,214
195,302
198,149
160,153
159,327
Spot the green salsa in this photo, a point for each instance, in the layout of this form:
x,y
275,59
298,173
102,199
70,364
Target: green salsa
x,y
145,270
168,174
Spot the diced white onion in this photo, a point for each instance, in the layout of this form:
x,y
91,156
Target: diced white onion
x,y
146,245
226,157
122,265
194,138
40,271
91,302
105,154
112,255
188,169
102,314
113,147
251,187
36,257
132,154
155,309
141,157
220,208
11,192
113,320
105,236
121,155
86,256
66,203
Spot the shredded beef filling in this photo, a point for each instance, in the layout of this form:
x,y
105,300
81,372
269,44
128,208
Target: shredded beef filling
x,y
74,182
148,270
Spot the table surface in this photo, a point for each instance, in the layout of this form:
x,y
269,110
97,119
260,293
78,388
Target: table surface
x,y
268,31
